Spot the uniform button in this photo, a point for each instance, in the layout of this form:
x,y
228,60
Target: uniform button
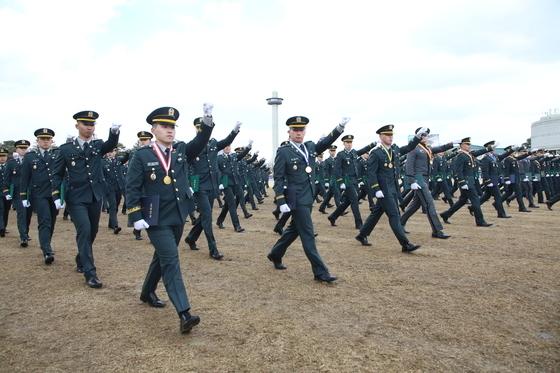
x,y
87,159
178,199
91,181
175,180
176,189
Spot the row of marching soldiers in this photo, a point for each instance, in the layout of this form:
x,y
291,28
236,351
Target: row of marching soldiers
x,y
162,183
425,173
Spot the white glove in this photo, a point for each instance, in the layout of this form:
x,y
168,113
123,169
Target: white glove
x,y
141,224
342,124
327,185
207,109
439,180
57,204
342,186
285,208
415,186
526,179
490,185
221,186
115,128
535,179
360,184
8,197
421,132
250,144
192,191
237,126
316,181
465,187
508,182
25,203
379,194
257,152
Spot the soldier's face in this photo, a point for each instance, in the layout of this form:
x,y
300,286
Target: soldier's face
x,y
227,149
21,151
3,159
164,133
332,153
144,142
85,131
348,145
44,142
386,139
466,147
297,135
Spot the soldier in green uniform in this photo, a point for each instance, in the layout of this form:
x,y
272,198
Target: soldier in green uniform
x,y
11,190
346,173
383,178
4,203
160,172
330,181
464,167
82,160
37,186
294,189
114,178
490,167
204,180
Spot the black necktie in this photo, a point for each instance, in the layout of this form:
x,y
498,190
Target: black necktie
x,y
167,153
86,146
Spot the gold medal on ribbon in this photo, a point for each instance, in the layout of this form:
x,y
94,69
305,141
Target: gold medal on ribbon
x,y
308,169
167,180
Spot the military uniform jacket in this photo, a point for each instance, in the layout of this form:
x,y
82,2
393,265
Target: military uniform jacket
x,y
346,164
84,169
36,175
362,170
328,170
383,171
490,166
113,171
535,169
145,179
229,169
419,162
205,166
12,178
3,177
290,177
440,169
511,167
465,166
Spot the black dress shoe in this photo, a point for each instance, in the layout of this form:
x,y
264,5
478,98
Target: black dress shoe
x,y
117,230
332,220
191,243
187,321
215,254
548,206
276,214
504,216
441,235
49,258
325,278
23,243
247,215
471,211
152,300
330,205
3,231
220,225
93,282
137,235
277,262
363,240
322,211
278,230
484,224
445,218
239,229
408,248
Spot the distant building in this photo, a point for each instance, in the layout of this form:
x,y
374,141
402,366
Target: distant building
x,y
545,133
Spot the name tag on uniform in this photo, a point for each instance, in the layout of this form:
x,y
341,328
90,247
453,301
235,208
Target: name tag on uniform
x,y
150,164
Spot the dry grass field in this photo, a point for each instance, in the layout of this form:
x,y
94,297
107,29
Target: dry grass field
x,y
488,299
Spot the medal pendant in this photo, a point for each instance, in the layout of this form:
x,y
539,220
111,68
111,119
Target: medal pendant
x,y
167,180
390,165
295,167
73,163
308,169
153,177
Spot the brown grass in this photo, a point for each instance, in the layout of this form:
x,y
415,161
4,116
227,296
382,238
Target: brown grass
x,y
485,300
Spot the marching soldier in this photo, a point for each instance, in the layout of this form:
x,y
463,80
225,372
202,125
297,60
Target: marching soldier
x,y
4,203
144,138
37,186
346,174
231,185
160,172
114,177
513,179
383,180
294,190
490,166
330,182
464,171
81,160
441,176
204,180
12,190
418,171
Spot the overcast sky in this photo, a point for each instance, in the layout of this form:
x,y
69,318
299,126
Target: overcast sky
x,y
485,69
